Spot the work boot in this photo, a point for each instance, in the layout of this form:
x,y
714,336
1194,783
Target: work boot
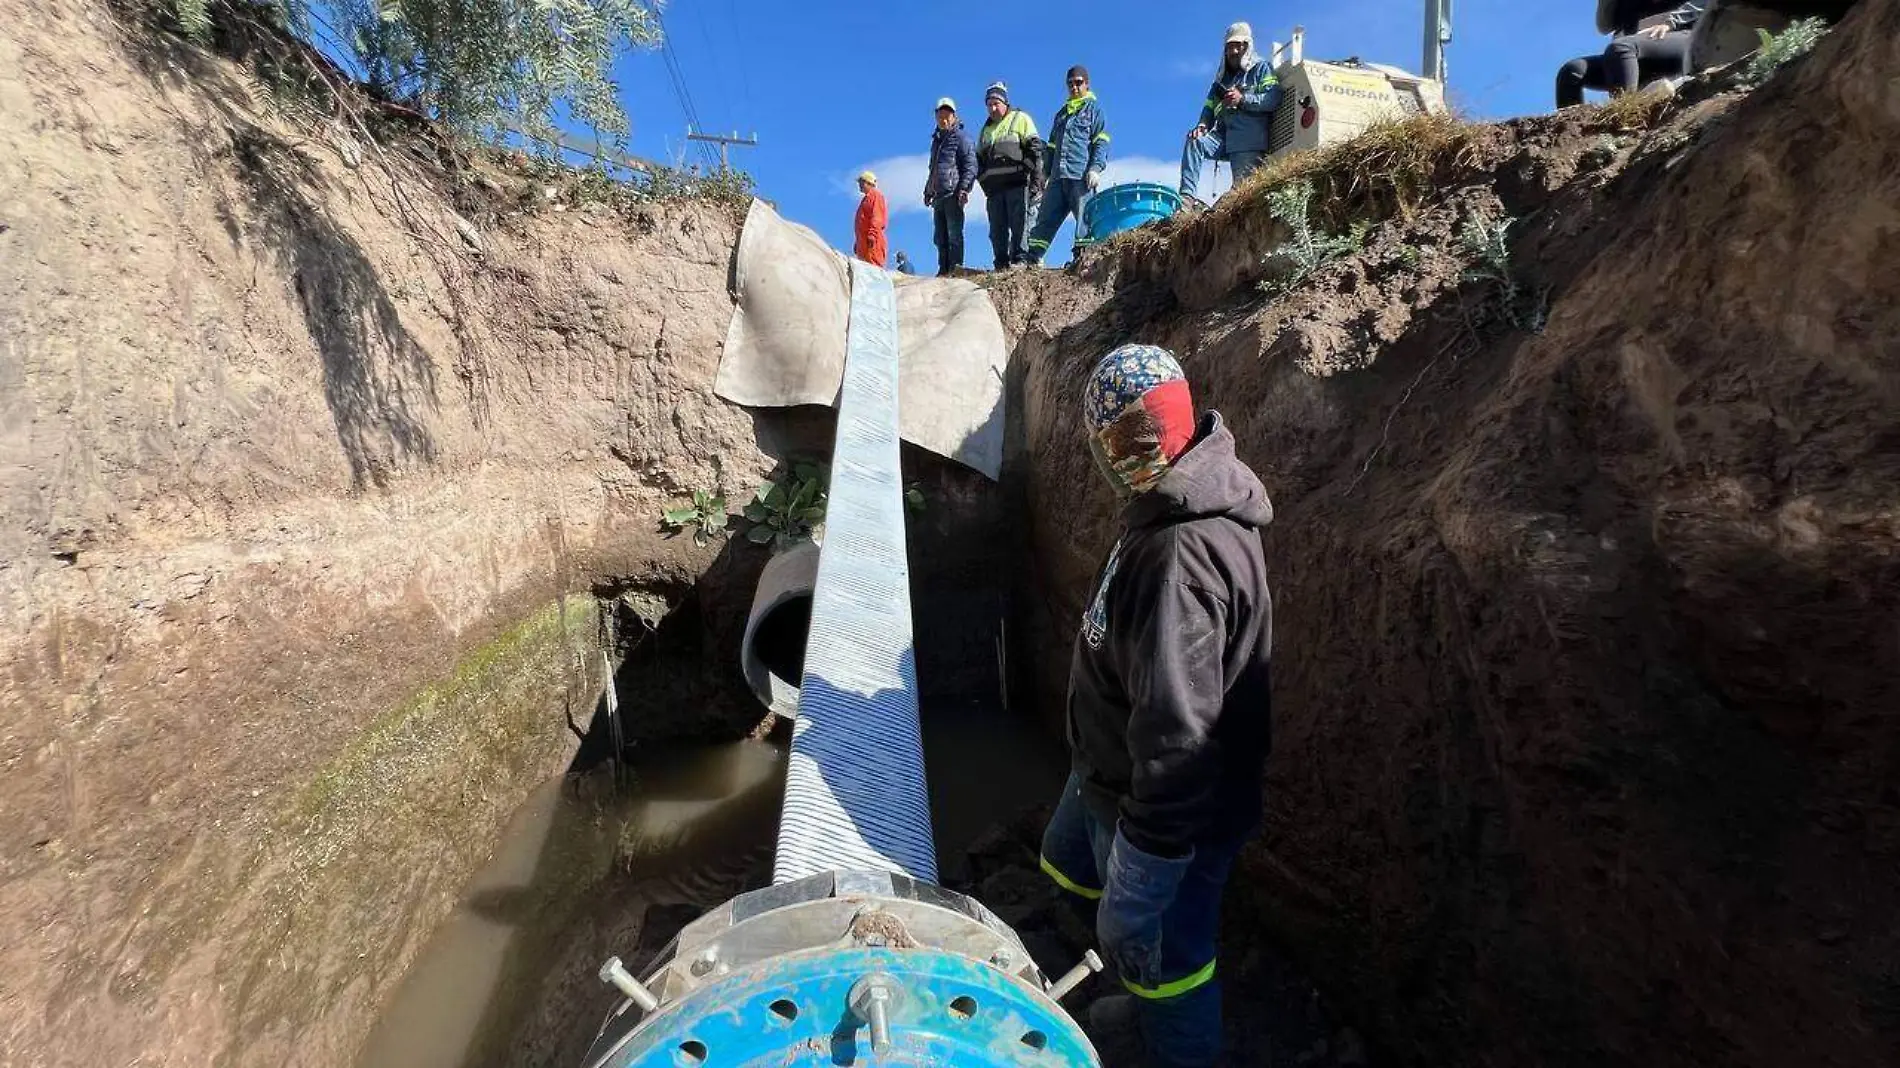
x,y
1114,1026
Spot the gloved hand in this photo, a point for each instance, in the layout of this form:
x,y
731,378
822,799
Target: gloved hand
x,y
1139,888
1092,180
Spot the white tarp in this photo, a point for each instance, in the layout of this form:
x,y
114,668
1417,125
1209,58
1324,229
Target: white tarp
x,y
785,345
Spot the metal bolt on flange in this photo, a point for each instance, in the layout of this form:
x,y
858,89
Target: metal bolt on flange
x,y
1090,963
616,975
873,999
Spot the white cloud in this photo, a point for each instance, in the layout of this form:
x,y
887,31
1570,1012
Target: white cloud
x,y
902,179
1200,68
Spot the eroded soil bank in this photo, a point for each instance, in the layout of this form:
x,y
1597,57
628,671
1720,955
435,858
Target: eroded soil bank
x,y
309,462
1587,678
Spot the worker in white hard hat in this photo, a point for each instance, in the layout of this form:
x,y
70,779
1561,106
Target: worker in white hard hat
x,y
947,190
1237,117
873,216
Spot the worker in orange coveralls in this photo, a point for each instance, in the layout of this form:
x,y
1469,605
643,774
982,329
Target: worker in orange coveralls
x,y
873,216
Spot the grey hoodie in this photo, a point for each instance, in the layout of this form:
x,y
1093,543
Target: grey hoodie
x,y
1169,713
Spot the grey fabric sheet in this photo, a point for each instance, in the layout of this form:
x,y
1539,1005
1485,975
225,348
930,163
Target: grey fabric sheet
x,y
786,343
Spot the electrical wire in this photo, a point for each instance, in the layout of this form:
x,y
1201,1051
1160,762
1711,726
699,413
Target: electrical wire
x,y
680,90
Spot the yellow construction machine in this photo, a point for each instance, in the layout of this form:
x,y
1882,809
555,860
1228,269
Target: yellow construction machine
x,y
1324,102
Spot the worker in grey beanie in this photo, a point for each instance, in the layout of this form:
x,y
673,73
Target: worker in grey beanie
x,y
1009,168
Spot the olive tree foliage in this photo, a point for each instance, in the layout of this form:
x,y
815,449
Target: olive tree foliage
x,y
473,63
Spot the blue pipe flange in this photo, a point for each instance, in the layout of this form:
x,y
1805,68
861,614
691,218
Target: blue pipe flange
x,y
819,1007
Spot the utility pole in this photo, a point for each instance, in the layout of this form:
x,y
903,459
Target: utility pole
x,y
1437,36
725,142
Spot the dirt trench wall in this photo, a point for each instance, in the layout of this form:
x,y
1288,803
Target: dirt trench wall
x,y
1586,667
292,463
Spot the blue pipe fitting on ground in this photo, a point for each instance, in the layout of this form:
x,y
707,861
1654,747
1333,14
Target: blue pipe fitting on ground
x,y
845,968
943,1009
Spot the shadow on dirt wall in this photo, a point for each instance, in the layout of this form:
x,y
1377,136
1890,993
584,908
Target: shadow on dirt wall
x,y
379,383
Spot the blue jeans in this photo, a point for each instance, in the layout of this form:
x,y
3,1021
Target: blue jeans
x,y
948,212
1208,146
1061,199
1180,1028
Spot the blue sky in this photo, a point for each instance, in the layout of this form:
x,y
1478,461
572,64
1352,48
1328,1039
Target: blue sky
x,y
831,88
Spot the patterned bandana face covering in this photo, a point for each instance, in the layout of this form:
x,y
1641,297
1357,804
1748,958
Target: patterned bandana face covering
x,y
1140,416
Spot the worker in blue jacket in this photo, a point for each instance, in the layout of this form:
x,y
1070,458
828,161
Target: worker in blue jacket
x,y
1238,116
1076,156
947,190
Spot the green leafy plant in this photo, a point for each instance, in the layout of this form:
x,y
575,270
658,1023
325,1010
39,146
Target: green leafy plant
x,y
787,509
1602,153
1797,40
1486,241
705,517
1306,249
194,17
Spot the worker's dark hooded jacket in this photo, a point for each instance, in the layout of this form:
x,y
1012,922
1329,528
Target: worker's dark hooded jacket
x,y
1169,717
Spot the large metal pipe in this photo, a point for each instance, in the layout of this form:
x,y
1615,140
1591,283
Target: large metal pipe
x,y
855,797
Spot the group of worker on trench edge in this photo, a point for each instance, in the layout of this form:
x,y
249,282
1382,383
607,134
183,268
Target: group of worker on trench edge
x,y
1169,699
1025,177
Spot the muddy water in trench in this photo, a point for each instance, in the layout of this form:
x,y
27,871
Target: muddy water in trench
x,y
577,853
585,871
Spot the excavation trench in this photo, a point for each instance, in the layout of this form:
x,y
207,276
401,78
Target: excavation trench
x,y
670,806
1584,662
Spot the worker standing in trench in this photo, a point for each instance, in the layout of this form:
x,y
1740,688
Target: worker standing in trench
x,y
1168,713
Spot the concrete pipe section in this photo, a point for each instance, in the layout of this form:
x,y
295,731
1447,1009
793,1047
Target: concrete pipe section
x,y
773,650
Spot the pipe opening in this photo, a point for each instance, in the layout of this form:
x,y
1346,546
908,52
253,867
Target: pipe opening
x,y
778,642
773,652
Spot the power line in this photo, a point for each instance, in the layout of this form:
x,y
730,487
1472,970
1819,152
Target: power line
x,y
745,77
680,90
718,61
